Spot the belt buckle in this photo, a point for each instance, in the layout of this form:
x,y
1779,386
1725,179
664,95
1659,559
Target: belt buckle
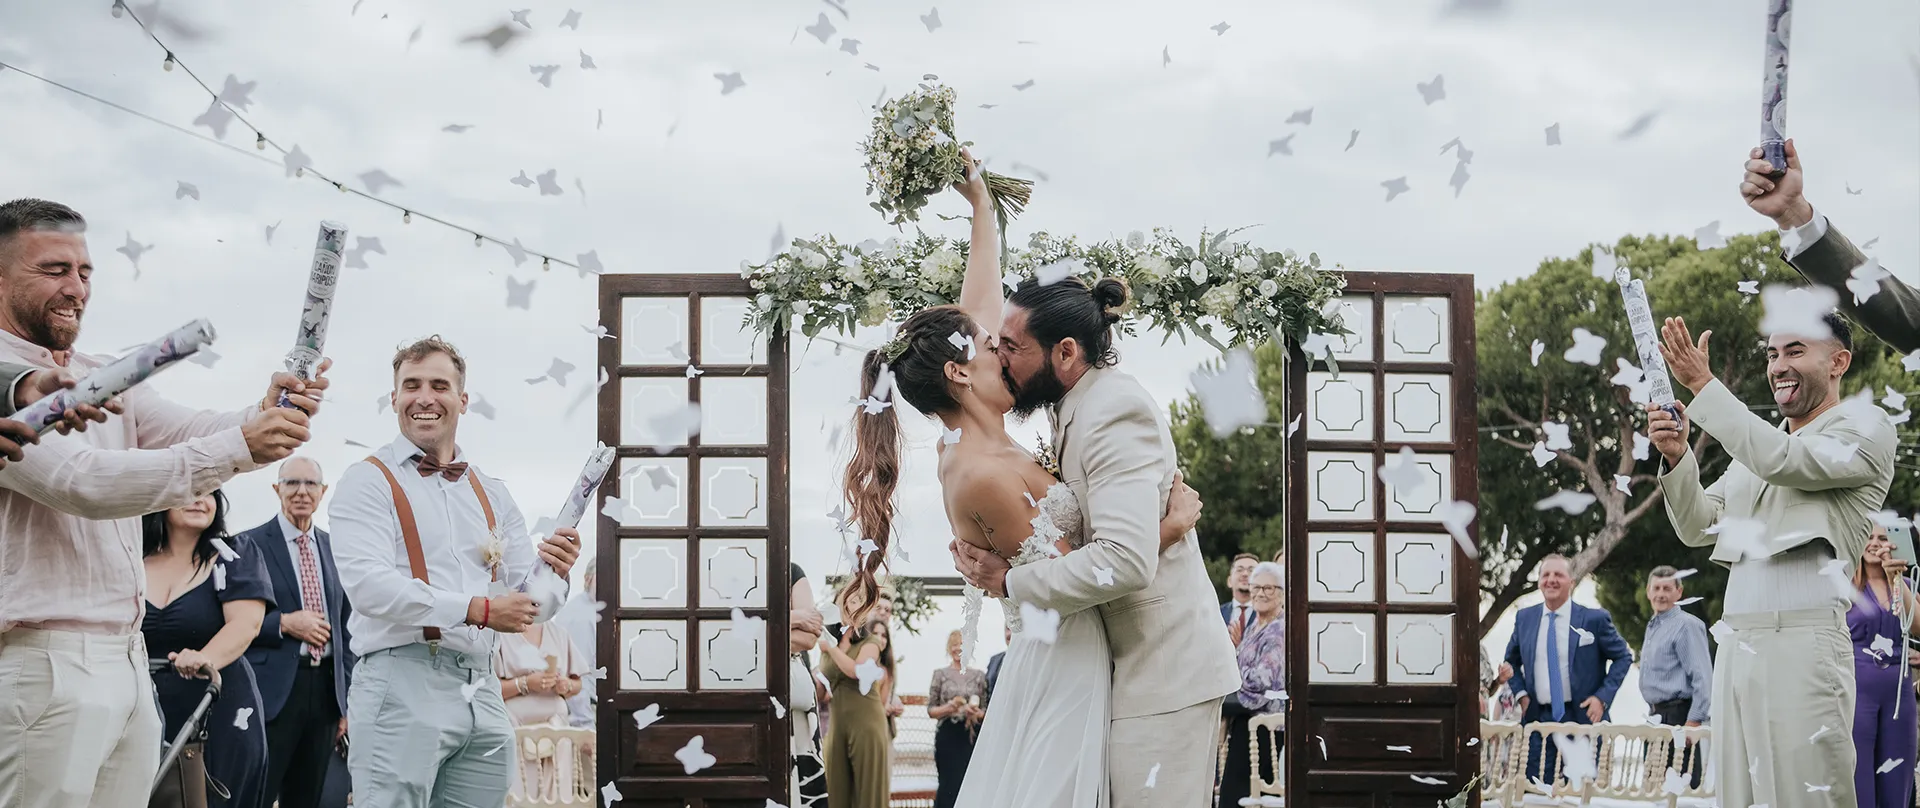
x,y
433,648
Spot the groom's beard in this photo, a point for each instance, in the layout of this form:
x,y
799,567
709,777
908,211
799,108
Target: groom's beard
x,y
1043,389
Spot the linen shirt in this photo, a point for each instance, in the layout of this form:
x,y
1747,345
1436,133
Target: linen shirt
x,y
292,535
1538,672
70,542
390,607
1675,664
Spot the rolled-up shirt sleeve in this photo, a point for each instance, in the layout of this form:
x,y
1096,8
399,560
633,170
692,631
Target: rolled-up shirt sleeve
x,y
67,474
369,552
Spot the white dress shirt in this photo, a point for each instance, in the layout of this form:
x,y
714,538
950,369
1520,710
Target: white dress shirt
x,y
70,545
389,606
1798,239
292,535
1563,634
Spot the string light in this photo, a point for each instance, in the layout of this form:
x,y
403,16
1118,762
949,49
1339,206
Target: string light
x,y
546,264
260,142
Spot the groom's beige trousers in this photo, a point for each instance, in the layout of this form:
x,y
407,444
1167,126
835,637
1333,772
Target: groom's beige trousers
x,y
1165,760
1782,715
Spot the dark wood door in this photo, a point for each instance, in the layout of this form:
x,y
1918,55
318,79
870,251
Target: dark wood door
x,y
1383,657
696,403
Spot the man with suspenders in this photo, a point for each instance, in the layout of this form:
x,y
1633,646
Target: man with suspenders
x,y
434,557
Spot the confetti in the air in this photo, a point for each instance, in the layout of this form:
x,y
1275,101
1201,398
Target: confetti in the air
x,y
1864,281
1558,436
1623,483
586,62
1024,86
470,689
647,717
1220,28
1281,146
1748,287
949,437
1708,237
1639,126
1303,117
519,295
557,371
869,673
1352,138
377,180
226,550
931,20
296,161
693,757
1455,516
822,30
1229,397
550,183
216,118
186,189
1538,348
729,82
241,717
610,794
1573,502
1153,775
1586,347
1553,135
219,570
1395,187
1797,310
1103,576
1427,780
1406,475
571,20
1041,624
1431,91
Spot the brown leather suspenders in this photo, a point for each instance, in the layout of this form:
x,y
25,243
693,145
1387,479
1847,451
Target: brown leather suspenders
x,y
410,530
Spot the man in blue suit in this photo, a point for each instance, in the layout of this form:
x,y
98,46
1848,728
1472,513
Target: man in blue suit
x,y
1567,659
301,655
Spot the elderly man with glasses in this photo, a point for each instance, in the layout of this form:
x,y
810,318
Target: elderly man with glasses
x,y
301,657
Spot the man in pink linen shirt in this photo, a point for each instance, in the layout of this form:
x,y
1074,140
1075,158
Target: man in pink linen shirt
x,y
80,727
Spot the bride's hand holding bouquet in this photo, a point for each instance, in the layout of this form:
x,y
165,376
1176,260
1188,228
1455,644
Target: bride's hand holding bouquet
x,y
912,154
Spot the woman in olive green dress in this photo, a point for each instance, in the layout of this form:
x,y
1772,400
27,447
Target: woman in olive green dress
x,y
858,752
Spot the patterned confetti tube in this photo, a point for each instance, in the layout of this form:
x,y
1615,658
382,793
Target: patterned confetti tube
x,y
571,513
578,499
1646,338
1773,86
304,359
120,376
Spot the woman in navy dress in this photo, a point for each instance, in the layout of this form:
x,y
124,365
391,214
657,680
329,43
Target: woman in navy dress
x,y
202,611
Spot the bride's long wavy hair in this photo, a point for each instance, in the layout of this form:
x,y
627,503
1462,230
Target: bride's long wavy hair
x,y
919,375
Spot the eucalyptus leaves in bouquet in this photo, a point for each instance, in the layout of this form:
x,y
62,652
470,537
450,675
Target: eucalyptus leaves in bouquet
x,y
824,284
912,155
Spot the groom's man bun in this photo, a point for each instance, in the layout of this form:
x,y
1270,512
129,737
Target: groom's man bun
x,y
1069,309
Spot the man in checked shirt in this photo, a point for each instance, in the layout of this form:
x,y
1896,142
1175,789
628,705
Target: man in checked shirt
x,y
1676,669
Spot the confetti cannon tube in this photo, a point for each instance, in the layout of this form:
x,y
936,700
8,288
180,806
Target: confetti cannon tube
x,y
1646,339
573,511
120,376
1773,87
311,338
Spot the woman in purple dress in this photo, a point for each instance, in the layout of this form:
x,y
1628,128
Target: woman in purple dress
x,y
1263,678
1884,728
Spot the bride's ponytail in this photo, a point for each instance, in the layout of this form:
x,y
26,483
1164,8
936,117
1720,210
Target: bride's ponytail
x,y
872,475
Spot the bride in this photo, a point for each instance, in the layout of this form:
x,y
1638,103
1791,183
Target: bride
x,y
1043,744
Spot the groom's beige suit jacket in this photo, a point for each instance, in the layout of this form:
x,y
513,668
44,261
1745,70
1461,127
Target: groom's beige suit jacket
x,y
1170,649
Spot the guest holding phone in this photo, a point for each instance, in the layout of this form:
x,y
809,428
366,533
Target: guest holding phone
x,y
1883,717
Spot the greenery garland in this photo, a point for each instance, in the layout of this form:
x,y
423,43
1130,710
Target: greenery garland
x,y
1253,295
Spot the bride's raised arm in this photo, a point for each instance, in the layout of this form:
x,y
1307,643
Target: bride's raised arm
x,y
980,295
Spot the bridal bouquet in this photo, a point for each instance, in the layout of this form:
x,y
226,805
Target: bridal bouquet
x,y
912,155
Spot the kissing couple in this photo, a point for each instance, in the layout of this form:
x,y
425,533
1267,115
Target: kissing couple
x,y
1111,688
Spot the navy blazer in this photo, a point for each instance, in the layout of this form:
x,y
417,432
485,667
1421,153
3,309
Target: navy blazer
x,y
1598,667
274,657
1246,616
993,671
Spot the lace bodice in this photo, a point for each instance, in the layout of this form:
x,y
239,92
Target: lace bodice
x,y
1059,517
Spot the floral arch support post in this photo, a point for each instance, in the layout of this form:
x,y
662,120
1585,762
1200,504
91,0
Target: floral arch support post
x,y
1251,295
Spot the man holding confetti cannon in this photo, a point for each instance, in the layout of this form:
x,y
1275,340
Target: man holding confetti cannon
x,y
435,558
71,580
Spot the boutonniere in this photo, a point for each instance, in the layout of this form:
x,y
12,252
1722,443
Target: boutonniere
x,y
1047,458
494,553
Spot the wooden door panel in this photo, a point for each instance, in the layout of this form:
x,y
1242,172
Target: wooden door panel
x,y
700,531
1382,604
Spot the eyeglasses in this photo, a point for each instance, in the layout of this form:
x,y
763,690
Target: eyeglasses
x,y
300,484
1266,589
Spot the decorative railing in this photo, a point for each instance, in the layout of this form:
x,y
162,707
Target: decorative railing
x,y
552,766
1632,762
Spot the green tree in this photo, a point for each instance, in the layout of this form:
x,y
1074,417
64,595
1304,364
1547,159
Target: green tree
x,y
1239,476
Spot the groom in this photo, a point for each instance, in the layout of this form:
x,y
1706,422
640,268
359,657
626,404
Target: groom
x,y
1172,661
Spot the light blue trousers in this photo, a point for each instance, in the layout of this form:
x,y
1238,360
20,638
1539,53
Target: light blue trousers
x,y
418,741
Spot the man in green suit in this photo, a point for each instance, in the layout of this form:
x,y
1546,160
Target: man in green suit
x,y
1825,257
1789,518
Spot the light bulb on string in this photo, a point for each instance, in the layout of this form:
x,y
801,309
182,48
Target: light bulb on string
x,y
260,141
476,239
406,217
119,9
299,171
168,64
546,264
341,186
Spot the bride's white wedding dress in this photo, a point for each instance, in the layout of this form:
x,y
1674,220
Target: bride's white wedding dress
x,y
1044,741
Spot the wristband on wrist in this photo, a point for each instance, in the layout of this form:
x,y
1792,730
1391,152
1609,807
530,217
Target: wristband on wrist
x,y
486,612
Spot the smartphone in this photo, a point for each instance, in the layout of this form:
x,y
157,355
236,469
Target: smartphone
x,y
1902,538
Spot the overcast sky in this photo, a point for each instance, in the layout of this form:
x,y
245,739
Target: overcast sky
x,y
1139,115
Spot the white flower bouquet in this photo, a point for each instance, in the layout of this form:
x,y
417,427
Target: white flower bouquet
x,y
912,155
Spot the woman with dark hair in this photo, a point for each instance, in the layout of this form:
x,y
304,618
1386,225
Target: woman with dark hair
x,y
204,607
859,750
1045,744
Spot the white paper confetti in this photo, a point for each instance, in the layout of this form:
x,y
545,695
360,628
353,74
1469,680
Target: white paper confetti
x,y
1642,446
1103,576
869,673
1041,624
1153,775
1586,347
1229,396
1406,475
647,717
1889,765
1573,502
1406,749
1455,516
1395,187
471,689
609,794
1797,310
241,716
1557,435
949,437
1686,601
1427,780
693,757
1541,454
226,550
1748,287
1623,483
219,577
1431,91
1538,348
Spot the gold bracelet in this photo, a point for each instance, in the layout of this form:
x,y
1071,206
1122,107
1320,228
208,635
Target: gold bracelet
x,y
522,684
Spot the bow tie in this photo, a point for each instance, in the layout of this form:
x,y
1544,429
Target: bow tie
x,y
451,471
